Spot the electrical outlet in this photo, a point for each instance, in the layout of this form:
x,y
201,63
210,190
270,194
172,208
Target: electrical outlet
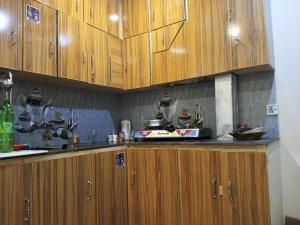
x,y
272,110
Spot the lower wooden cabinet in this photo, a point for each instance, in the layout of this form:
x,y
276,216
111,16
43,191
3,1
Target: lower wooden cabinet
x,y
153,187
11,195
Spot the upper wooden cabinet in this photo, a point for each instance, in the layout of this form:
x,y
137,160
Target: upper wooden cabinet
x,y
153,192
137,61
166,12
135,17
39,40
248,34
114,17
95,13
72,55
115,53
10,35
72,8
97,56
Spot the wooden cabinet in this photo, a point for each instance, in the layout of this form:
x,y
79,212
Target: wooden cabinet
x,y
199,187
115,53
51,192
153,192
201,46
39,40
111,192
166,12
97,56
229,188
87,190
114,17
248,33
50,3
137,61
11,195
10,35
246,199
95,13
72,8
72,55
135,17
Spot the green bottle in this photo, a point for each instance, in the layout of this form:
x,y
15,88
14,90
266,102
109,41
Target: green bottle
x,y
6,127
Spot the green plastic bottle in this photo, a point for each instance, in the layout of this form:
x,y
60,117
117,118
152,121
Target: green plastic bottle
x,y
6,127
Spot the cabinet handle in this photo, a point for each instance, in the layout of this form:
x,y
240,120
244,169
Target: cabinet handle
x,y
230,191
153,15
230,15
93,67
77,5
92,11
237,41
90,195
163,38
51,48
84,58
214,188
13,38
27,210
133,180
110,70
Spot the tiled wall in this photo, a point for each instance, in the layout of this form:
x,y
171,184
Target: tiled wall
x,y
102,112
93,110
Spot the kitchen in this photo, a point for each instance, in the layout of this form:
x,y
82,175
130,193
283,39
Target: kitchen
x,y
148,112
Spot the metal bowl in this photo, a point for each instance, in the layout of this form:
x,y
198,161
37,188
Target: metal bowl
x,y
155,123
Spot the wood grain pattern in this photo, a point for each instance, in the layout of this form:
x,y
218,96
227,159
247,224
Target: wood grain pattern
x,y
10,35
137,61
111,190
166,12
163,38
97,56
115,52
72,56
39,41
249,202
114,17
87,189
11,195
249,45
135,17
95,13
197,171
153,193
201,47
74,8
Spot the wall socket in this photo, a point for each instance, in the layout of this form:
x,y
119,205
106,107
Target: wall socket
x,y
272,110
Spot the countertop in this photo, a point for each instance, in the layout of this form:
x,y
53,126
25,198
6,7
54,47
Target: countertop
x,y
85,147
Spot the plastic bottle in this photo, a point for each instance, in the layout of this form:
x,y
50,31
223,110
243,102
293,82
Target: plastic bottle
x,y
6,127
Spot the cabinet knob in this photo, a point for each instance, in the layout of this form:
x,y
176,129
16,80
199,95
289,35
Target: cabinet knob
x,y
12,38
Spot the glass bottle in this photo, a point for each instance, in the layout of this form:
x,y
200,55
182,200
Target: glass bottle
x,y
7,127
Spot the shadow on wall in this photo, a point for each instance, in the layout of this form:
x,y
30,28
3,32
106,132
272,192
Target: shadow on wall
x,y
255,92
93,110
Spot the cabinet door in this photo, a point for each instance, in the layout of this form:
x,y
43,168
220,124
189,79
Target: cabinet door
x,y
199,187
72,56
153,192
246,201
135,17
51,192
50,3
166,12
97,56
111,192
10,36
114,17
137,61
11,195
39,40
115,52
95,13
86,189
248,33
72,8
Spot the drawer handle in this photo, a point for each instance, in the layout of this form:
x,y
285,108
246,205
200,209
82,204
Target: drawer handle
x,y
27,210
230,191
133,180
12,38
90,194
51,48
